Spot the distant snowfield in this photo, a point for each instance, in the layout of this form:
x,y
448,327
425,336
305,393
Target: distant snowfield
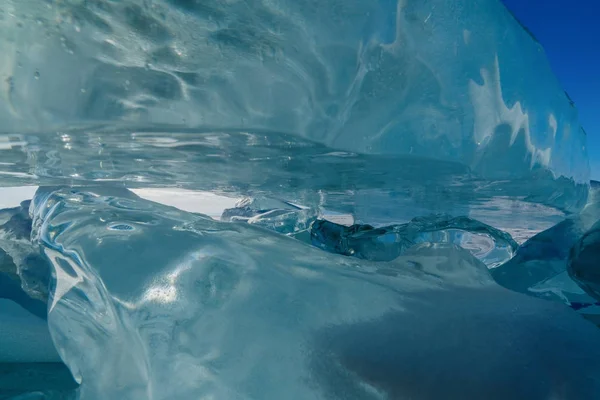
x,y
187,200
13,196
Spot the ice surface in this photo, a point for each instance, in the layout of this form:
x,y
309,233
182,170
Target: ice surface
x,y
21,257
155,303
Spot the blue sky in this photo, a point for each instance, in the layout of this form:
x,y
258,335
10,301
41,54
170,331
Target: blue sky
x,y
569,30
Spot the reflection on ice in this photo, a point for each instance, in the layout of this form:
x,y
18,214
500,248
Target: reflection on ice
x,y
187,200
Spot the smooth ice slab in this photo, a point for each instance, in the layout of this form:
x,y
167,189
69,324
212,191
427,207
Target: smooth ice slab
x,y
151,302
452,81
438,78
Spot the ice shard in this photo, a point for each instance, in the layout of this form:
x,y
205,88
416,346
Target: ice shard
x,y
149,301
22,258
547,265
488,244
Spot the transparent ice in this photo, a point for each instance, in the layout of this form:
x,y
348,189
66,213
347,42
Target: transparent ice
x,y
290,199
235,312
